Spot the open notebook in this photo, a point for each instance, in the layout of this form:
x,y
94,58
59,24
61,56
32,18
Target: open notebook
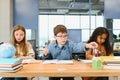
x,y
58,62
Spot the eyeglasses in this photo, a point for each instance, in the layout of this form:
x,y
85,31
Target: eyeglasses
x,y
65,36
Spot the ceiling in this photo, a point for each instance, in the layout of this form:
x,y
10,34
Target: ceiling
x,y
71,7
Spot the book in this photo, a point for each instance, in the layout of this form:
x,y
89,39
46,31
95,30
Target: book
x,y
13,68
112,62
110,59
58,62
10,62
116,67
9,70
27,61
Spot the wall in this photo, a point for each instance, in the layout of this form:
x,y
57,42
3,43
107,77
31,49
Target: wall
x,y
75,35
111,9
26,13
6,19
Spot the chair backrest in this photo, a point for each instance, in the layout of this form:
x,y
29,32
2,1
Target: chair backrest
x,y
1,43
78,56
33,43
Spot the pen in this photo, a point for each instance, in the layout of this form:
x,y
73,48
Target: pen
x,y
94,51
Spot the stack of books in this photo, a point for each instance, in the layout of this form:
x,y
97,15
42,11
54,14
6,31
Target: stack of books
x,y
110,59
10,64
111,62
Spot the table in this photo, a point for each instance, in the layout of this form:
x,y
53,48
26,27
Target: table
x,y
61,70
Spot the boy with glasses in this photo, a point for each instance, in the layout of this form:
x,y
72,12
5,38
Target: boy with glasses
x,y
62,48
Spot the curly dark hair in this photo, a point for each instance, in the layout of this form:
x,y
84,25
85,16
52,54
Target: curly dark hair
x,y
99,31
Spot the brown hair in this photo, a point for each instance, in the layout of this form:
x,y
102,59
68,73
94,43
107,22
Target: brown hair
x,y
22,44
60,28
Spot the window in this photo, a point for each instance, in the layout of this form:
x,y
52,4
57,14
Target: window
x,y
72,22
116,26
85,23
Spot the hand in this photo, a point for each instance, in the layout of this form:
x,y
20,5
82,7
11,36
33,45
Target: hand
x,y
45,51
91,45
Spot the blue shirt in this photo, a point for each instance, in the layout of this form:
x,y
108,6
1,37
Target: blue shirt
x,y
64,52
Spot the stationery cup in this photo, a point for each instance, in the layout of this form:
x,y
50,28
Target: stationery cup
x,y
96,63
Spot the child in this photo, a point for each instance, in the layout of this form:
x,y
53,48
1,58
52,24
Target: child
x,y
101,36
23,47
62,49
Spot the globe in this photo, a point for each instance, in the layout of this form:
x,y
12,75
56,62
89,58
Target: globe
x,y
7,50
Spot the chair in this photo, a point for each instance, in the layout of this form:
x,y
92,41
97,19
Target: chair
x,y
78,56
1,43
33,43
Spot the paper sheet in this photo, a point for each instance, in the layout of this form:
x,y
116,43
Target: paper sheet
x,y
86,61
58,62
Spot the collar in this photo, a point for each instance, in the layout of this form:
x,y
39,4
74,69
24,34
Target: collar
x,y
56,44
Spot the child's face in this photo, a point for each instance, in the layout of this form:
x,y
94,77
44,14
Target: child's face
x,y
19,35
101,38
61,38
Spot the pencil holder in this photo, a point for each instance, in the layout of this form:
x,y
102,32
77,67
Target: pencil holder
x,y
96,63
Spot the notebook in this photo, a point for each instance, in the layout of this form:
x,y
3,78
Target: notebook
x,y
58,62
110,59
13,68
10,62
